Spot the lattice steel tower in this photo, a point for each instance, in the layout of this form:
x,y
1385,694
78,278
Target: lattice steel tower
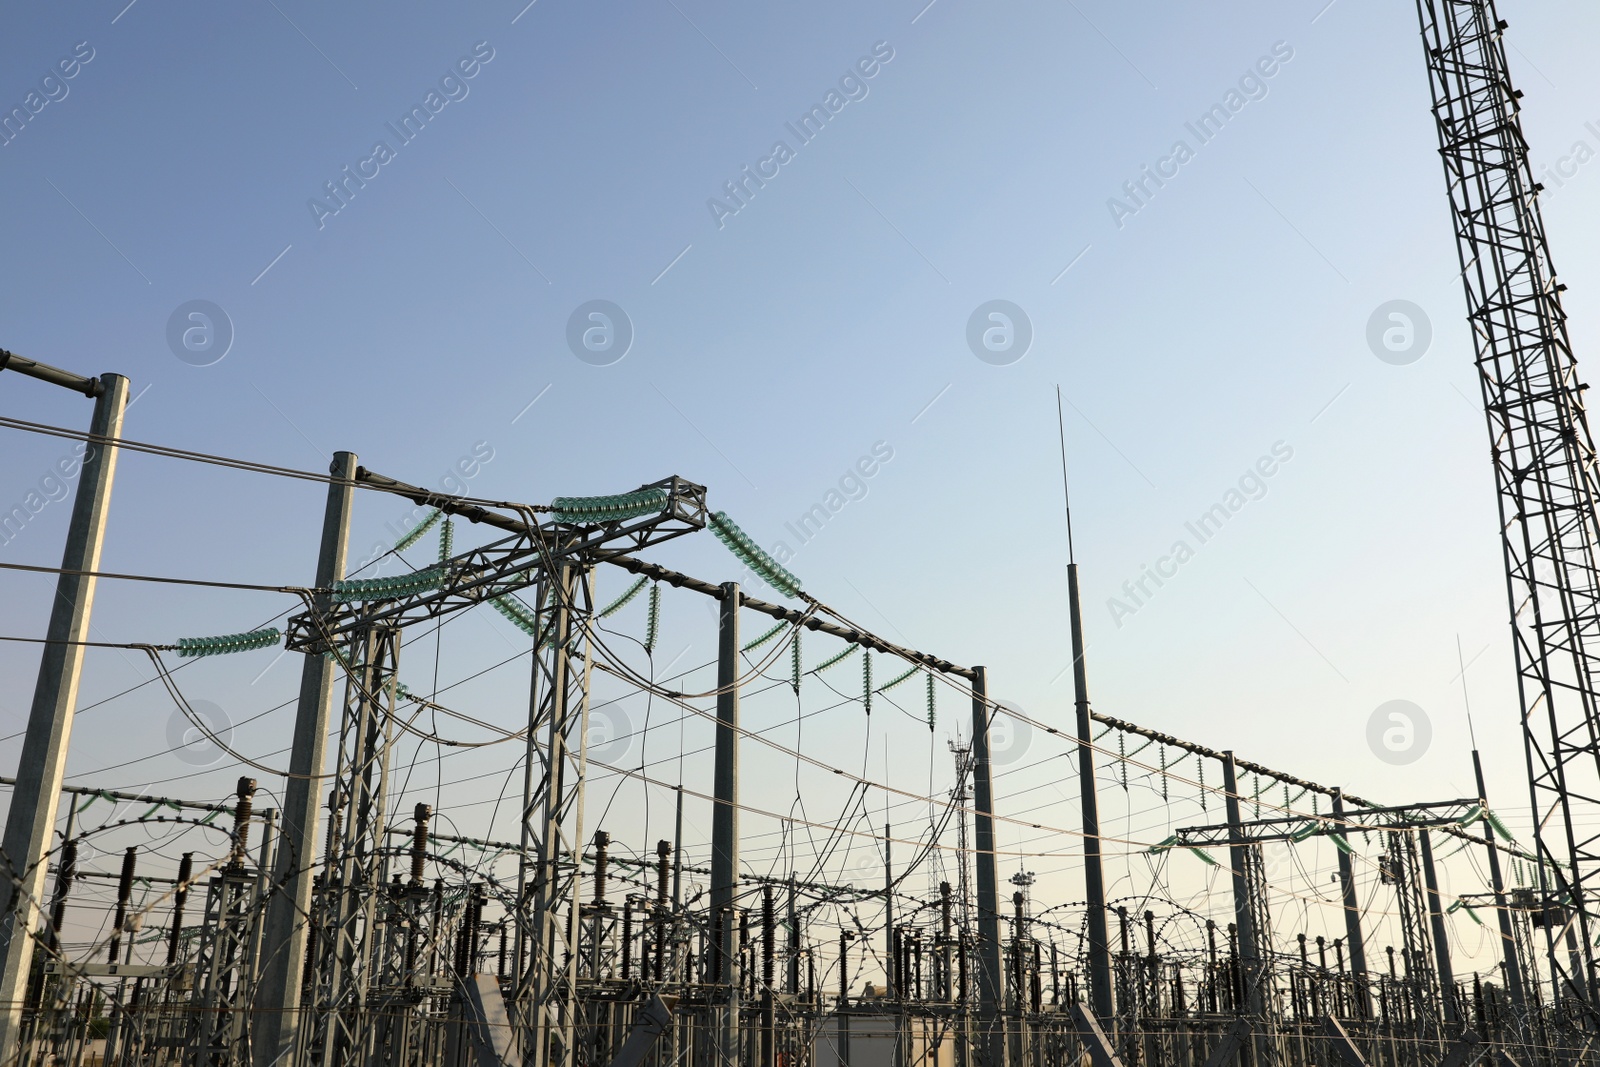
x,y
1543,456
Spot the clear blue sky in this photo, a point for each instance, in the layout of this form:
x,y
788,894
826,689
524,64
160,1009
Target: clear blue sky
x,y
774,346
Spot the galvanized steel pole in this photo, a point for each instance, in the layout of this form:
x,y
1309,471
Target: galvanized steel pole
x,y
1093,876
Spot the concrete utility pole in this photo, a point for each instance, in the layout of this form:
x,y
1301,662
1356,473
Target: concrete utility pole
x,y
725,811
1243,915
1252,958
1508,939
1441,937
991,1043
725,814
284,939
1352,916
30,825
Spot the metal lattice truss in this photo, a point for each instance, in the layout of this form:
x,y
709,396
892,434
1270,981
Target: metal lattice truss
x,y
1540,442
1402,868
557,557
552,827
1299,827
347,938
502,568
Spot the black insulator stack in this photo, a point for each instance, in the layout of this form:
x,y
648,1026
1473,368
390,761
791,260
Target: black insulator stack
x,y
663,858
1038,988
65,873
844,966
769,937
627,938
467,940
124,894
419,842
180,897
245,793
602,841
663,854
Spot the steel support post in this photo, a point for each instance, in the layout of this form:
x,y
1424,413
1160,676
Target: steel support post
x,y
1243,914
890,984
530,792
725,816
552,1013
1508,937
277,1007
1441,942
363,766
31,822
1352,918
991,1039
1094,885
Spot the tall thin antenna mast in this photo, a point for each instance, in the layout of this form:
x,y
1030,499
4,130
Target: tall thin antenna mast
x,y
1461,663
1066,493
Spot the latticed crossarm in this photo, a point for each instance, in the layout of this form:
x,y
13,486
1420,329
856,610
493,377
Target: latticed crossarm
x,y
600,528
1293,827
1540,442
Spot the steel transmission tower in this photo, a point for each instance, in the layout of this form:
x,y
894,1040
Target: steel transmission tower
x,y
1543,455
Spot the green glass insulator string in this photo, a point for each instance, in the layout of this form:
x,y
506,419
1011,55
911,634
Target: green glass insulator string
x,y
623,600
226,644
652,628
519,615
835,659
392,588
897,679
416,533
764,638
753,555
617,508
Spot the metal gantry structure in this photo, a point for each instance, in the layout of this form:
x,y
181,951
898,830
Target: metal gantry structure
x,y
544,965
